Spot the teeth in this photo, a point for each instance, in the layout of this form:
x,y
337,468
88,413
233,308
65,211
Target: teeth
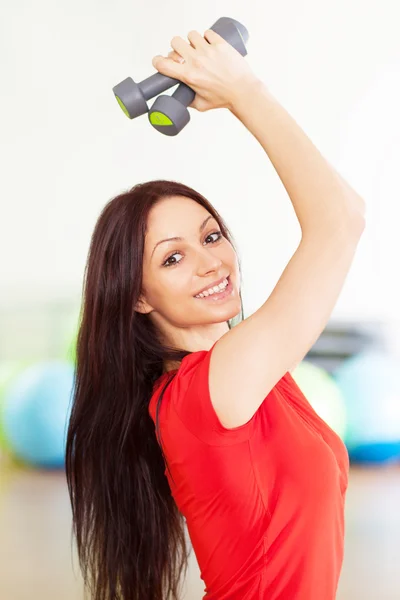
x,y
214,290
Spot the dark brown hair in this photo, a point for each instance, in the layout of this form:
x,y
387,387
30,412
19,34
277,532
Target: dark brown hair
x,y
129,532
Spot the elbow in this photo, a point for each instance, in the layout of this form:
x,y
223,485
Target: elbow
x,y
357,221
346,221
353,218
347,225
359,209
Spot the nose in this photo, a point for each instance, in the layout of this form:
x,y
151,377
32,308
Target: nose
x,y
208,262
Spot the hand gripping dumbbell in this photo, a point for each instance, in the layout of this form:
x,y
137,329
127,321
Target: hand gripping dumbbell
x,y
169,114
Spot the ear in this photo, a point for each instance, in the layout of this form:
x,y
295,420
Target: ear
x,y
142,306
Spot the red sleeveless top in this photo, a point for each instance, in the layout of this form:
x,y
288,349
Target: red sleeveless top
x,y
263,502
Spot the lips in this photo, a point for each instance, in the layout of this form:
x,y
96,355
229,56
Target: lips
x,y
212,284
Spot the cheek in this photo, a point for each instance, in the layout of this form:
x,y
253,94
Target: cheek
x,y
173,285
232,261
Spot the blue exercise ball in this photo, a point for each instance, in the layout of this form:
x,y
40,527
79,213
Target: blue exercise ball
x,y
324,395
36,411
370,385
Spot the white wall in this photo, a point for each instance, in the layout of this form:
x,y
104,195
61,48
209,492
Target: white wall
x,y
66,147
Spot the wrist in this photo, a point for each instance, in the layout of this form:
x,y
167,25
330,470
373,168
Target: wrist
x,y
244,92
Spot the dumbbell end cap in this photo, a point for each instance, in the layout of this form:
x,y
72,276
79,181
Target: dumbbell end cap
x,y
243,31
122,105
168,115
163,123
233,32
130,98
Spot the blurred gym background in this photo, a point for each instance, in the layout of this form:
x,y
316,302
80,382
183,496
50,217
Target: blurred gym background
x,y
67,148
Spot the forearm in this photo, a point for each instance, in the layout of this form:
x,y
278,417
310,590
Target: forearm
x,y
321,198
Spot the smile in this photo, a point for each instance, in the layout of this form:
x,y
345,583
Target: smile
x,y
214,296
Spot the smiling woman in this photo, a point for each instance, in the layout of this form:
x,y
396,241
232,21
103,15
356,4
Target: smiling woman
x,y
231,444
139,320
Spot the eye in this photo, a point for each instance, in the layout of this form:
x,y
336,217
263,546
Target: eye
x,y
165,264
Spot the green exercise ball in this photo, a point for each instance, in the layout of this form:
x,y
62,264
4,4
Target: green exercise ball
x,y
323,394
70,335
8,372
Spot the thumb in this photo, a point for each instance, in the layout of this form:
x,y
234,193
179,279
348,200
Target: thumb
x,y
168,67
200,104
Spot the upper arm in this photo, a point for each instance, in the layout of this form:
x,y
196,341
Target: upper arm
x,y
251,358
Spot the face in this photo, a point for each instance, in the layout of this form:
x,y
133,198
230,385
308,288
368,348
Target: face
x,y
175,271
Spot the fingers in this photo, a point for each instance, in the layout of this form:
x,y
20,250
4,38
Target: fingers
x,y
213,37
168,67
197,40
183,48
176,57
183,52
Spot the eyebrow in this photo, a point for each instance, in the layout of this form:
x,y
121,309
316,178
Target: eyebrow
x,y
179,239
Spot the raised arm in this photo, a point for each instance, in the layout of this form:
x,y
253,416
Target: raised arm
x,y
261,349
250,359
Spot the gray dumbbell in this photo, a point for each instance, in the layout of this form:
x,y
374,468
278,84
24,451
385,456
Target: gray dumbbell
x,y
132,96
169,114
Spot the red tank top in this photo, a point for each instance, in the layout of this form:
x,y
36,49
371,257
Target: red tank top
x,y
263,502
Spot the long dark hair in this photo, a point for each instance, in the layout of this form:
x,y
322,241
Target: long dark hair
x,y
129,532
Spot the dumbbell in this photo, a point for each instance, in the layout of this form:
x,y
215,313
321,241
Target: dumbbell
x,y
169,114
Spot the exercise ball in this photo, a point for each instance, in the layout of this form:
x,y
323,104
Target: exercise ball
x,y
70,352
8,371
36,411
69,338
370,385
323,394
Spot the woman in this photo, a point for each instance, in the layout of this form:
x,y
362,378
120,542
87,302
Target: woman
x,y
180,419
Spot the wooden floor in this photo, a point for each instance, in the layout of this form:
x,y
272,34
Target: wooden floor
x,y
36,555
